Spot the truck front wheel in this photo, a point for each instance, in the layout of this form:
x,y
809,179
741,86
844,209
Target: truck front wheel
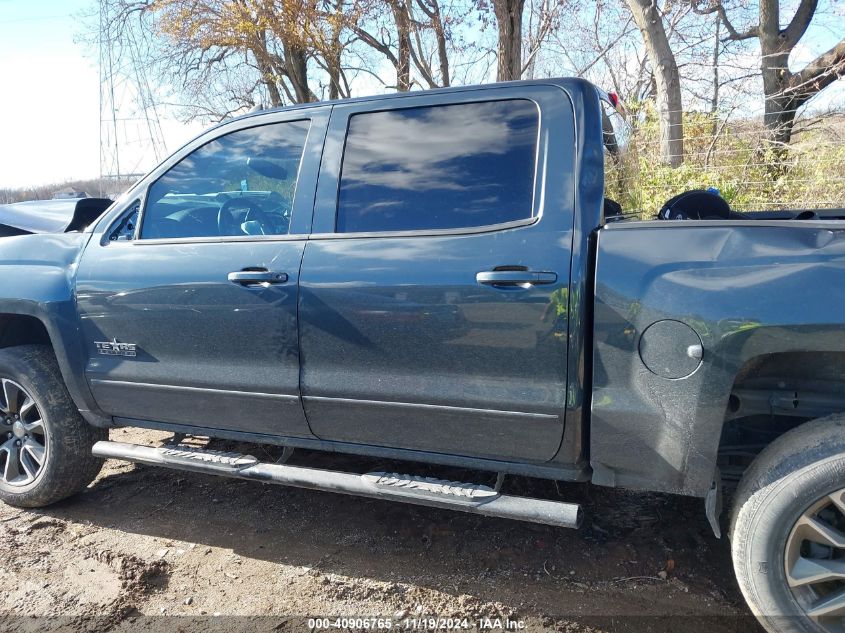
x,y
788,530
45,445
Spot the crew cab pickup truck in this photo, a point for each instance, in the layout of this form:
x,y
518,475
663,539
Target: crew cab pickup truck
x,y
439,278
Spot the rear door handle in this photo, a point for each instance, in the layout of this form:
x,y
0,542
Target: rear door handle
x,y
247,277
515,278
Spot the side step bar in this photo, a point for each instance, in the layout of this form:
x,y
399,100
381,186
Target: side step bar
x,y
426,491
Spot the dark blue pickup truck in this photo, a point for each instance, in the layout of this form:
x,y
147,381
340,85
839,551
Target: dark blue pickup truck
x,y
441,278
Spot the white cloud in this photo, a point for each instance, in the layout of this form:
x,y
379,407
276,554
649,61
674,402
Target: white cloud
x,y
379,153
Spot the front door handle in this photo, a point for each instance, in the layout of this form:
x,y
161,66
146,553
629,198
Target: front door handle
x,y
249,277
515,278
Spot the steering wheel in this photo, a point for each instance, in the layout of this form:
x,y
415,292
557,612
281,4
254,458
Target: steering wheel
x,y
228,225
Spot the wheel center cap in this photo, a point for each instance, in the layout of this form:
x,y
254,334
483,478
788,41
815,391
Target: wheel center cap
x,y
18,430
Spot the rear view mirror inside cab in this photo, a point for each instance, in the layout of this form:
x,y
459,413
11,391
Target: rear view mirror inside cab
x,y
267,168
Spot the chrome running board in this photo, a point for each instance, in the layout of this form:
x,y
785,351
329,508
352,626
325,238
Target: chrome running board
x,y
427,491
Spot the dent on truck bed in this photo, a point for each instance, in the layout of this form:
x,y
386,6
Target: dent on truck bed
x,y
741,287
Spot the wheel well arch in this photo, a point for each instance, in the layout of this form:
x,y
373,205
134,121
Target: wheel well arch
x,y
18,328
772,394
22,329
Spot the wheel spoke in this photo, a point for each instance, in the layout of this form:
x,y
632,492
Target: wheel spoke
x,y
808,571
814,530
833,604
36,426
25,451
35,450
11,394
838,499
815,561
13,469
29,469
27,406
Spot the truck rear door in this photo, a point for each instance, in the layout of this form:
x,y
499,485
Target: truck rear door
x,y
434,289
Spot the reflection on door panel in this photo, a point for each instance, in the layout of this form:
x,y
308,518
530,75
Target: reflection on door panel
x,y
403,342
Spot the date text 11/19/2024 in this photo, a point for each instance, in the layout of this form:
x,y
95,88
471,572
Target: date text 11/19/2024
x,y
420,623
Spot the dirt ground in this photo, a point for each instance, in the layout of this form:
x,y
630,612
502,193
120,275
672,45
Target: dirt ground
x,y
144,544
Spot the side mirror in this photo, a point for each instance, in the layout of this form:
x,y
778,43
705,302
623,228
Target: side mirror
x,y
267,168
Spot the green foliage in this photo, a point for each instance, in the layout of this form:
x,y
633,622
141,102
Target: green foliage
x,y
734,157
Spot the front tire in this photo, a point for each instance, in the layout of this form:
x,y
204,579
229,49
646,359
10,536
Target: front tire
x,y
788,530
45,444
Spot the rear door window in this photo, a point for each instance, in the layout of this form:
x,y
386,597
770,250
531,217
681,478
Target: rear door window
x,y
439,167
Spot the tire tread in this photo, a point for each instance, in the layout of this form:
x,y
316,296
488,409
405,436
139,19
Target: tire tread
x,y
71,466
782,464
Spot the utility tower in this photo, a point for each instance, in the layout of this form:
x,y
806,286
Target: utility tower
x,y
131,140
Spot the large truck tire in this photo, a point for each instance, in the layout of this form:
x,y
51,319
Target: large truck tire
x,y
45,444
788,530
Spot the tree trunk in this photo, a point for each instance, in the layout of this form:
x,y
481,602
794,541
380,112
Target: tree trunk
x,y
714,97
774,67
667,80
268,78
270,83
333,56
779,120
509,19
296,62
442,53
779,113
334,69
784,90
403,34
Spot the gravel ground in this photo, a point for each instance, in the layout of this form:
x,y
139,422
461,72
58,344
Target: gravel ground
x,y
142,545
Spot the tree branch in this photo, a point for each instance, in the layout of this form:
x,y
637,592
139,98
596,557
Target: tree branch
x,y
371,41
716,6
819,73
800,21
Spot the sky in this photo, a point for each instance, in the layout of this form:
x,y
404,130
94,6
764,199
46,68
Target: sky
x,y
49,99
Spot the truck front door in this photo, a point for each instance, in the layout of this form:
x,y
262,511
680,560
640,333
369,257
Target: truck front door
x,y
190,317
434,290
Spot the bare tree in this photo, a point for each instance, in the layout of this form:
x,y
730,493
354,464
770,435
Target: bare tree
x,y
607,51
717,49
431,8
225,55
327,35
785,91
543,18
274,34
664,68
600,41
407,41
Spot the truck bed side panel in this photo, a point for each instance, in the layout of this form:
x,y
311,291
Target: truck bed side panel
x,y
743,287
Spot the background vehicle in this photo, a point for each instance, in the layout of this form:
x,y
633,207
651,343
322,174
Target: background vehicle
x,y
434,278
